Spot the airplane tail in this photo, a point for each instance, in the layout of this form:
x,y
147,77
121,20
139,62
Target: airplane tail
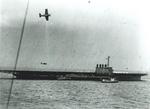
x,y
39,14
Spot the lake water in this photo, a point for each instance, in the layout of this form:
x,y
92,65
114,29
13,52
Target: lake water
x,y
54,94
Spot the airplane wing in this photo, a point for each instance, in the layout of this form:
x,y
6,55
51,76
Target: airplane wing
x,y
47,18
46,11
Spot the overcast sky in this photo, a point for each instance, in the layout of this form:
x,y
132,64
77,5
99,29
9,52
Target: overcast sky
x,y
78,35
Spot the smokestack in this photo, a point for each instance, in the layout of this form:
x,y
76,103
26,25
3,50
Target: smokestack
x,y
97,66
100,65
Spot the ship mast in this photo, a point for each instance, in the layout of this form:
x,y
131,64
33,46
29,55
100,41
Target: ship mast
x,y
108,61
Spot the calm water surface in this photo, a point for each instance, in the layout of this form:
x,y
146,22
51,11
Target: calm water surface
x,y
54,94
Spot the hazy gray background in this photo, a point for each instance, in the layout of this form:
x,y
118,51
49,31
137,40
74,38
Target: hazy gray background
x,y
78,35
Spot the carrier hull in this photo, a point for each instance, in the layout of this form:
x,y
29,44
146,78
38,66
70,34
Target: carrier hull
x,y
62,75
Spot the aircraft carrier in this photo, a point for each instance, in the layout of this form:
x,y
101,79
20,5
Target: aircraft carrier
x,y
102,71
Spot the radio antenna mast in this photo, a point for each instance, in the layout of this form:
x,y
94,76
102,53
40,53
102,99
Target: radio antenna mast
x,y
108,61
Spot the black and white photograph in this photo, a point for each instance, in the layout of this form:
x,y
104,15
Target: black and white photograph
x,y
74,54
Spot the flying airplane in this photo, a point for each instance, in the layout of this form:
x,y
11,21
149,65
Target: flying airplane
x,y
44,63
46,15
